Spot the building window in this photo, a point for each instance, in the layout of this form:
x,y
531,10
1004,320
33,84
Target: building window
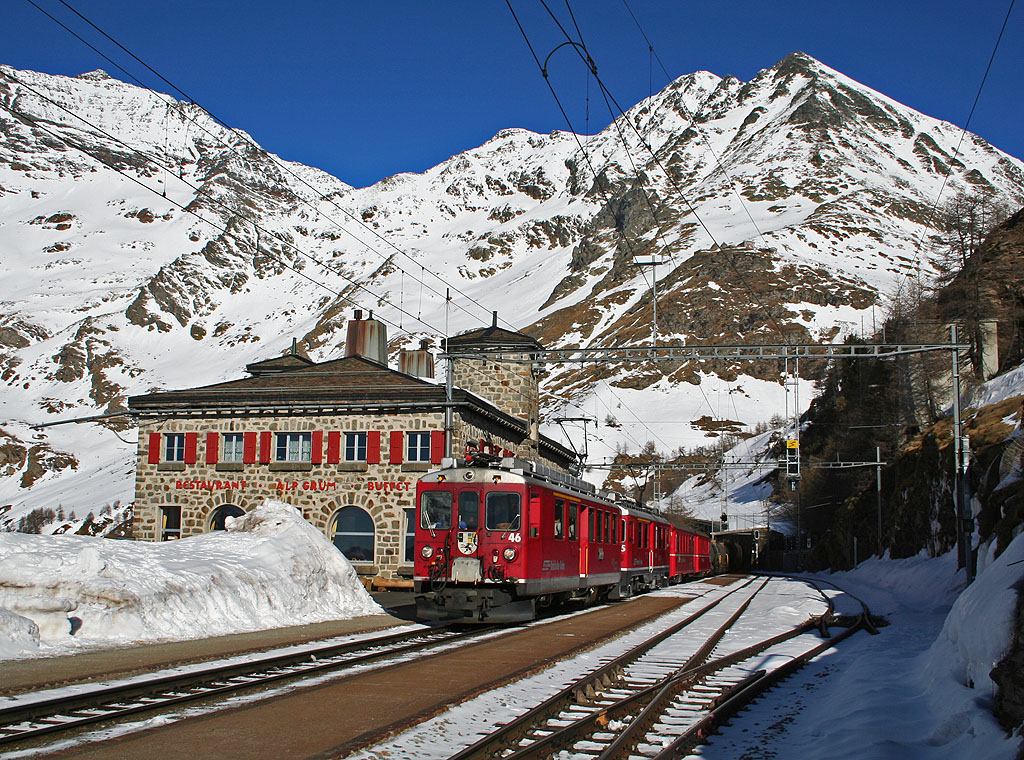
x,y
409,548
232,447
294,447
219,516
355,447
352,531
174,447
170,523
417,447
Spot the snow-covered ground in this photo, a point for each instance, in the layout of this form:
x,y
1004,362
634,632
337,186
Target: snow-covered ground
x,y
920,689
270,568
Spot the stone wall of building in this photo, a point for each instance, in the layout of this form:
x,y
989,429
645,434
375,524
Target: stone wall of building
x,y
319,491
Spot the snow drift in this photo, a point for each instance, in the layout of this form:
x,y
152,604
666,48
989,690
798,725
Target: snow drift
x,y
270,568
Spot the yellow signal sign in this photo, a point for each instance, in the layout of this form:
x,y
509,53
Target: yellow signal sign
x,y
792,444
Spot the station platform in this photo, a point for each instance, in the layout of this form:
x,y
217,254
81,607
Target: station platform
x,y
36,673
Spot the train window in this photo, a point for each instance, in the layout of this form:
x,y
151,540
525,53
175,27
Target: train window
x,y
573,512
469,510
590,525
622,529
436,510
559,518
502,511
598,526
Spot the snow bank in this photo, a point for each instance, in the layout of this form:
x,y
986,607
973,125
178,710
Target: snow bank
x,y
270,568
978,631
19,636
920,689
997,389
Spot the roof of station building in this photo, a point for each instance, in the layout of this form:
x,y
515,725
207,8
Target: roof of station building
x,y
350,385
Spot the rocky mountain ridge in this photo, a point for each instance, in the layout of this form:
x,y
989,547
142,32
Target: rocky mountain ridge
x,y
147,246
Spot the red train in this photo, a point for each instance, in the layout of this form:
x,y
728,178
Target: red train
x,y
498,538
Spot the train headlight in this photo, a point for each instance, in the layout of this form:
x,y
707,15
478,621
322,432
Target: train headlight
x,y
509,554
427,552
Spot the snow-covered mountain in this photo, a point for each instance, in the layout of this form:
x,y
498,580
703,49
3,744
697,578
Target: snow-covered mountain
x,y
143,245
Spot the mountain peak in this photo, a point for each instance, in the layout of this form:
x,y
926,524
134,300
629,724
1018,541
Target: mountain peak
x,y
98,75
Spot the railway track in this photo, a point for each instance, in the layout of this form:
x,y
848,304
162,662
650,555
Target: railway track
x,y
46,713
664,696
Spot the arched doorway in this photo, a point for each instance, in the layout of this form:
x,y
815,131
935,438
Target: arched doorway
x,y
219,516
353,532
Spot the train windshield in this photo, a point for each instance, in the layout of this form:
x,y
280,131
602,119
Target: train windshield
x,y
469,510
503,511
436,510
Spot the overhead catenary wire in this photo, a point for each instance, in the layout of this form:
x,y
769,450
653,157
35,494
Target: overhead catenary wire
x,y
586,156
696,127
930,220
591,66
671,179
225,228
274,159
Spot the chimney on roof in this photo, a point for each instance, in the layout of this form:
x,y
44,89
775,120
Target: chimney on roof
x,y
494,319
418,363
367,338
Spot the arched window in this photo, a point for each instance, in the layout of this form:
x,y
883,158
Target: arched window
x,y
221,514
352,531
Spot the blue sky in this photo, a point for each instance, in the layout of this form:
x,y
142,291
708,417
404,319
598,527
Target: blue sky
x,y
364,90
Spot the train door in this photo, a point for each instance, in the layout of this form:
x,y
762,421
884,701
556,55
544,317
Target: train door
x,y
467,535
585,529
566,546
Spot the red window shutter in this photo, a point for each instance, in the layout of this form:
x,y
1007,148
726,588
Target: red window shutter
x,y
396,453
436,446
249,448
373,447
155,440
191,443
333,447
317,455
212,447
265,447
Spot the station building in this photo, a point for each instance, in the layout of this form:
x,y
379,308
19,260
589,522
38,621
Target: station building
x,y
344,441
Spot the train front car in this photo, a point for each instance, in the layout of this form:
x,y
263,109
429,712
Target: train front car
x,y
494,541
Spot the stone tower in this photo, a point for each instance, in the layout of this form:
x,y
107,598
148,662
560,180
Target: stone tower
x,y
510,383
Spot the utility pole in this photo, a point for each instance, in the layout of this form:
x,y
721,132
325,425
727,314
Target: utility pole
x,y
878,495
964,523
653,264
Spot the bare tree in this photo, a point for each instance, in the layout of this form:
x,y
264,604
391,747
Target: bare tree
x,y
964,223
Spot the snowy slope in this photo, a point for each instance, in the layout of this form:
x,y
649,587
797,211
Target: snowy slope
x,y
146,246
